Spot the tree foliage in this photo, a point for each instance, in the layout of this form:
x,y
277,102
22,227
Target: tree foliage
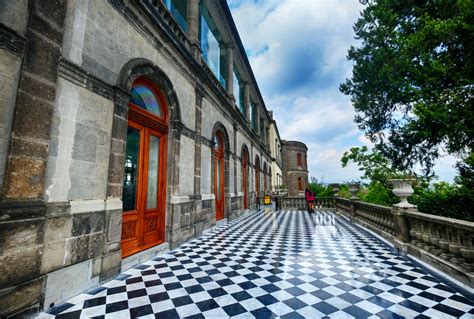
x,y
319,189
412,83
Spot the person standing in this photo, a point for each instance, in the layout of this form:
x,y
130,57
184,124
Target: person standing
x,y
309,196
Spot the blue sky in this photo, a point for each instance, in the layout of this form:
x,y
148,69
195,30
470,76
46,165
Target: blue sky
x,y
297,49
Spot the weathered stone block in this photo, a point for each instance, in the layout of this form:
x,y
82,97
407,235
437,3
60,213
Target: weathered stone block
x,y
84,247
87,223
21,297
53,256
54,10
25,178
84,151
68,282
28,148
114,225
17,235
58,228
116,168
41,58
111,265
20,265
32,117
38,24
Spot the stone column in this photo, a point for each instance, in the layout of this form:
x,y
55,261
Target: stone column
x,y
193,26
31,129
235,157
197,141
230,70
247,102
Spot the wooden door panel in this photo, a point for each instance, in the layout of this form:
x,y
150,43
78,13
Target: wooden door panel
x,y
143,227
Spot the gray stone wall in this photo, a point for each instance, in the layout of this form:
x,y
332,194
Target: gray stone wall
x,y
60,232
80,145
10,75
14,15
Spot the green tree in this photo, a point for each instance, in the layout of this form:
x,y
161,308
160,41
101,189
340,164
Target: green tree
x,y
319,189
412,84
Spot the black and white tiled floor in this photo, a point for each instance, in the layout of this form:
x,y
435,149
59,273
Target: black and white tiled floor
x,y
275,264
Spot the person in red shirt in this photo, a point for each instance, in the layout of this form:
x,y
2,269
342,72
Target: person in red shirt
x,y
309,195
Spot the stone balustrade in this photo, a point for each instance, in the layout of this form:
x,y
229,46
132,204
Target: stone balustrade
x,y
299,203
449,239
343,205
444,243
375,216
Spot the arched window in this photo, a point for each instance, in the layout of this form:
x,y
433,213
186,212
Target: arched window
x,y
146,96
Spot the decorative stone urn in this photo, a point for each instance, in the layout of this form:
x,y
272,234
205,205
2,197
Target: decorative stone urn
x,y
402,189
354,188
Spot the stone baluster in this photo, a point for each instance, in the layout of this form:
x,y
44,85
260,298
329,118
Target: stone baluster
x,y
455,247
434,240
444,243
467,251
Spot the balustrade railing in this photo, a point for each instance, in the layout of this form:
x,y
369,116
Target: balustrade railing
x,y
450,239
343,204
299,203
377,216
445,243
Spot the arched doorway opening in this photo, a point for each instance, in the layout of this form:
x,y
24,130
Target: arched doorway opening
x,y
257,175
219,177
265,176
144,180
245,165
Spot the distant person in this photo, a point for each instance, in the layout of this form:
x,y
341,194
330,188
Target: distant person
x,y
309,195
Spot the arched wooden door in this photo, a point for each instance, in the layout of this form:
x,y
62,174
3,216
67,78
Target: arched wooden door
x,y
219,182
257,175
144,181
245,160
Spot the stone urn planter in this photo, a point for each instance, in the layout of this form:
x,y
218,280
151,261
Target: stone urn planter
x,y
402,189
354,188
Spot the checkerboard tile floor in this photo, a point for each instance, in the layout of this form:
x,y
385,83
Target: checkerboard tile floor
x,y
284,264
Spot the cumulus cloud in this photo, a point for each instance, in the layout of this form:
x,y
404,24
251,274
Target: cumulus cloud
x,y
297,49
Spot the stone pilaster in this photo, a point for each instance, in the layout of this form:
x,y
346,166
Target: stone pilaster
x,y
235,157
230,70
247,102
193,26
118,138
30,136
197,145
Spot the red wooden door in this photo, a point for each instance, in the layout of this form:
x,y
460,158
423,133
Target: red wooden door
x,y
245,179
143,219
219,175
144,181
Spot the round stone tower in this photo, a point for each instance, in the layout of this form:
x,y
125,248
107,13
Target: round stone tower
x,y
295,167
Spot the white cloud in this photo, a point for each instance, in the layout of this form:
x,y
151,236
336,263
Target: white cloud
x,y
297,49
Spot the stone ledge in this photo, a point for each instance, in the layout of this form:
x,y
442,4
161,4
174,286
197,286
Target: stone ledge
x,y
143,256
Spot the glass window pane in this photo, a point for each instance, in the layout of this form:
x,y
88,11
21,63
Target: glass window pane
x,y
210,48
153,164
144,97
218,179
131,169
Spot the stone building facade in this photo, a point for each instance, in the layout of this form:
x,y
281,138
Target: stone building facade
x,y
126,128
276,172
295,167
